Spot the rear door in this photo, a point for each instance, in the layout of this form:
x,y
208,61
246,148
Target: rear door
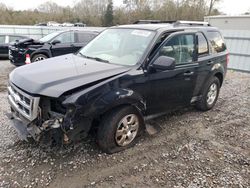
x,y
66,45
171,89
208,56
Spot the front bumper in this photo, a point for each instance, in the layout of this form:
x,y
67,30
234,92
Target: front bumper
x,y
24,128
20,127
16,57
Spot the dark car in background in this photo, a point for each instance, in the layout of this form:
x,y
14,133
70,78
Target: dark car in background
x,y
54,44
5,41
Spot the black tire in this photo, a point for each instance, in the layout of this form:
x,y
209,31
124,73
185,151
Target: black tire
x,y
203,103
108,128
37,57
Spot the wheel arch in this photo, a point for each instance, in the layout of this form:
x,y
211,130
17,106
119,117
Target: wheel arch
x,y
43,52
219,75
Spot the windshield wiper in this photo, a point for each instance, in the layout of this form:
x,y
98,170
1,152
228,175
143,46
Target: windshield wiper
x,y
95,58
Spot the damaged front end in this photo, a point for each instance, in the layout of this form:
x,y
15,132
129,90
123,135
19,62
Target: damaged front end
x,y
45,119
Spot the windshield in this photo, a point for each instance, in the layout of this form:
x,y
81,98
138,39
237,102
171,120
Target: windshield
x,y
118,46
49,37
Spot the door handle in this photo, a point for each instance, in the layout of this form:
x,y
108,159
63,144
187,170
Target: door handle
x,y
188,73
210,62
72,45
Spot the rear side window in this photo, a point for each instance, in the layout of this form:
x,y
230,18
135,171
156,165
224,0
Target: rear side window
x,y
85,37
202,44
217,41
2,39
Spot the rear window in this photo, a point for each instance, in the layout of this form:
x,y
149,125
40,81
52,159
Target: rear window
x,y
217,41
85,37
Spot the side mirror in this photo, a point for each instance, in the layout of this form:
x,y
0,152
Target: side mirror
x,y
164,63
56,42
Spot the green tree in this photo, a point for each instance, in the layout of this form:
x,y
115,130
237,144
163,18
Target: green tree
x,y
109,17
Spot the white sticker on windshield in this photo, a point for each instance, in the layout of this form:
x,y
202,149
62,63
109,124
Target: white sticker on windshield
x,y
141,33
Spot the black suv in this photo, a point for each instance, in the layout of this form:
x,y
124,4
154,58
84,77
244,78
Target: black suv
x,y
54,44
126,74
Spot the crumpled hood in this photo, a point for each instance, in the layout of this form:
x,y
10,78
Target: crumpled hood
x,y
26,42
52,77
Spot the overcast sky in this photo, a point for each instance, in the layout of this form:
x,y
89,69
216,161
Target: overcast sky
x,y
230,7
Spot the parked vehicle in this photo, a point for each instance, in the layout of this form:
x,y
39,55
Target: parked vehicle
x,y
79,24
53,24
5,41
54,44
67,24
41,24
126,74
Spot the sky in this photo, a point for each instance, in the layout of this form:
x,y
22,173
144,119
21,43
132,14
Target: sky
x,y
230,7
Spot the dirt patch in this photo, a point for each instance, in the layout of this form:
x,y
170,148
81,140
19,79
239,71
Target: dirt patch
x,y
192,149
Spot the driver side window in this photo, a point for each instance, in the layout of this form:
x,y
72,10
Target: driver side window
x,y
67,37
180,47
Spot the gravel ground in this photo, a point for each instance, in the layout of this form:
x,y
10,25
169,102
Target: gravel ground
x,y
5,68
192,149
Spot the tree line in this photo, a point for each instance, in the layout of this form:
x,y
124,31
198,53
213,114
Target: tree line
x,y
103,12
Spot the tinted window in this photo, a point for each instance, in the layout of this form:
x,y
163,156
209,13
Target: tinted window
x,y
2,39
67,37
180,47
202,44
216,41
14,38
85,37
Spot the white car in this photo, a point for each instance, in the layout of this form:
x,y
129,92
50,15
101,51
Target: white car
x,y
52,23
67,24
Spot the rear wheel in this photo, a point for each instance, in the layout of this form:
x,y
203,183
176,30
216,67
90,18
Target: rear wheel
x,y
39,57
119,129
210,95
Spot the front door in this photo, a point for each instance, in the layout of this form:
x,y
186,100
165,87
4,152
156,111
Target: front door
x,y
66,45
171,89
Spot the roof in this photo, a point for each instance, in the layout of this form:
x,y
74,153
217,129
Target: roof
x,y
152,27
160,26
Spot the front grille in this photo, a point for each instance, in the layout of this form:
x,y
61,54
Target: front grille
x,y
23,103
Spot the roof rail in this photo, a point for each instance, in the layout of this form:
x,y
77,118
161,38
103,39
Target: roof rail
x,y
153,21
175,22
179,22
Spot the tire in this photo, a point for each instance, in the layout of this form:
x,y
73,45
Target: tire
x,y
210,95
113,136
39,57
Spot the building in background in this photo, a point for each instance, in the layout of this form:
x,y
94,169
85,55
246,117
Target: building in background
x,y
236,31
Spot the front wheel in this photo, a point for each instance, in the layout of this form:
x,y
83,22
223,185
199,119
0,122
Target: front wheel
x,y
39,57
119,129
210,95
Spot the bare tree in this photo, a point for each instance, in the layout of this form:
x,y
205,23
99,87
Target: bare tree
x,y
211,5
